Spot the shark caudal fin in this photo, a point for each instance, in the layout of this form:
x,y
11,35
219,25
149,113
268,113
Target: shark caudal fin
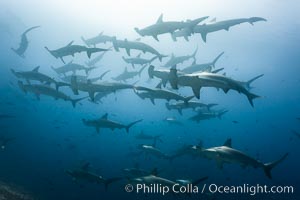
x,y
173,78
141,70
187,99
30,29
74,101
250,97
111,180
220,114
85,42
216,59
248,83
131,124
74,85
151,71
138,31
194,54
269,166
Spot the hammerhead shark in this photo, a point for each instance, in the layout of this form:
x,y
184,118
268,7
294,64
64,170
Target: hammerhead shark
x,y
227,154
101,38
138,60
24,43
174,60
47,91
37,76
128,74
70,50
104,122
162,27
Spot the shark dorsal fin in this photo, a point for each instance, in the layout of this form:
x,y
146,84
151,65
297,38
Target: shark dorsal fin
x,y
70,43
160,19
36,69
138,56
228,143
194,62
101,33
104,116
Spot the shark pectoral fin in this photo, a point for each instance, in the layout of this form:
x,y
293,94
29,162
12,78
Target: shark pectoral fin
x,y
180,111
196,91
155,37
152,101
61,58
92,96
225,90
128,51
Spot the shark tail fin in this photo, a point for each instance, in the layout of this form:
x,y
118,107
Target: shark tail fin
x,y
216,59
222,113
85,42
252,96
173,78
111,180
197,181
74,101
194,54
131,124
141,70
269,166
102,75
151,71
74,85
187,99
248,83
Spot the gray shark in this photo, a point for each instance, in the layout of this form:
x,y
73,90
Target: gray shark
x,y
138,60
101,38
223,25
70,50
161,27
37,76
129,45
189,105
104,122
85,78
180,59
152,94
24,43
128,74
93,88
71,67
153,151
207,115
205,79
227,154
204,29
47,91
84,174
207,67
144,136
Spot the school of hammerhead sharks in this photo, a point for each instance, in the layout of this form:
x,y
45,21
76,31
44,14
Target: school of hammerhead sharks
x,y
195,76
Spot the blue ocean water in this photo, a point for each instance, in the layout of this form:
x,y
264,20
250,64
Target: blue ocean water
x,y
48,136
